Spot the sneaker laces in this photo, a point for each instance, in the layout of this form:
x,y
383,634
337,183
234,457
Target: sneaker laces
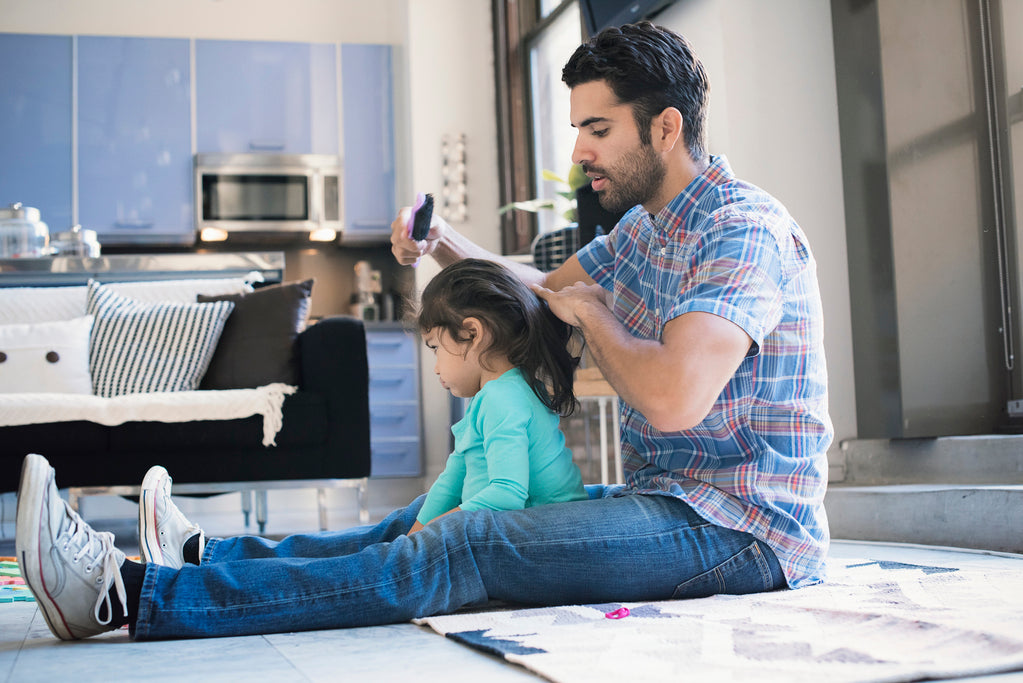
x,y
98,548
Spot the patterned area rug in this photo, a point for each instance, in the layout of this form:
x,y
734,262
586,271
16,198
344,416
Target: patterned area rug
x,y
12,586
874,620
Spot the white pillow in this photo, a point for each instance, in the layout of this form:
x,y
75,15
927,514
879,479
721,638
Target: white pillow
x,y
40,304
139,347
46,357
43,304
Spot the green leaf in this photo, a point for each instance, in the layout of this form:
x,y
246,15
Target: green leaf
x,y
553,177
576,177
532,205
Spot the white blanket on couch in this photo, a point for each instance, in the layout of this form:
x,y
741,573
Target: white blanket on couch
x,y
171,406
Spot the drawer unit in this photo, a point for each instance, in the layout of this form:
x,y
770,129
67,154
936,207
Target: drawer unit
x,y
395,432
390,346
395,458
394,421
390,384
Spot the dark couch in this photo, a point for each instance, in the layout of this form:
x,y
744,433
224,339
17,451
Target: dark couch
x,y
325,432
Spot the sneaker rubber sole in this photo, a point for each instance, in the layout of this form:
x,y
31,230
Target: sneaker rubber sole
x,y
31,500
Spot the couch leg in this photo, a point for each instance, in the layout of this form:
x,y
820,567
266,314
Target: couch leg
x,y
360,494
321,507
246,505
261,510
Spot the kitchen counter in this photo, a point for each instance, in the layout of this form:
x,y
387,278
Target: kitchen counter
x,y
66,270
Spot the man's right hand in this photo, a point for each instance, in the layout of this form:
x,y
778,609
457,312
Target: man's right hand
x,y
406,250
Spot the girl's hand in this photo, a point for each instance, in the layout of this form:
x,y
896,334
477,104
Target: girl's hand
x,y
568,302
417,526
406,250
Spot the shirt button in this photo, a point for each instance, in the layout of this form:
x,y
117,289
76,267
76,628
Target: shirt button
x,y
663,251
657,312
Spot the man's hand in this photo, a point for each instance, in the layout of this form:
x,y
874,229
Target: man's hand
x,y
568,302
408,251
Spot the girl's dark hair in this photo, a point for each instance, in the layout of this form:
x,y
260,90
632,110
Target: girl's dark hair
x,y
521,325
651,68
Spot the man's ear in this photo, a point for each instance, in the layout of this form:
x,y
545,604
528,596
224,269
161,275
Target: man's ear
x,y
666,129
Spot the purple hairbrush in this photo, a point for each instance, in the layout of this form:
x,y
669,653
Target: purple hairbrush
x,y
419,221
422,213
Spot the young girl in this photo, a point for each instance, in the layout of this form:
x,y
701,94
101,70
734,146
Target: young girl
x,y
499,345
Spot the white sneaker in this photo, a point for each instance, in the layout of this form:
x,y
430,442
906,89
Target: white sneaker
x,y
163,529
69,566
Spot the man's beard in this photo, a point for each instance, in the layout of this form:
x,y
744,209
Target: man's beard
x,y
635,179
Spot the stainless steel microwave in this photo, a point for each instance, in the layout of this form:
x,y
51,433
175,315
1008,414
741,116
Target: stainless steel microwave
x,y
268,194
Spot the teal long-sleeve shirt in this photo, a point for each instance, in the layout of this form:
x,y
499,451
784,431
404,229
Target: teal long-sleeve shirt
x,y
509,454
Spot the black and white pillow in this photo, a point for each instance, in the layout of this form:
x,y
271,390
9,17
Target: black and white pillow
x,y
140,347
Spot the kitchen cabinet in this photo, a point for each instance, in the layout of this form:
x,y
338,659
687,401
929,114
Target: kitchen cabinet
x,y
368,113
123,164
255,96
393,401
135,139
35,120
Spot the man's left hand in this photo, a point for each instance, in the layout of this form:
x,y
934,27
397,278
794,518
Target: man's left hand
x,y
568,302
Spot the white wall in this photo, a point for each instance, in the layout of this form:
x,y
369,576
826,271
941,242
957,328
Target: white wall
x,y
357,21
774,114
451,71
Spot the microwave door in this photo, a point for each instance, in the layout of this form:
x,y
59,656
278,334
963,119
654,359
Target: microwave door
x,y
257,202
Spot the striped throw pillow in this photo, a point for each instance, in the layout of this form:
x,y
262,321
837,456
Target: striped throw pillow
x,y
138,347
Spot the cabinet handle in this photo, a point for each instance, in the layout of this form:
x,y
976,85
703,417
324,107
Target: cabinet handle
x,y
133,225
266,146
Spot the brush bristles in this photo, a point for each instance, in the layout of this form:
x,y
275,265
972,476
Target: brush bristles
x,y
421,221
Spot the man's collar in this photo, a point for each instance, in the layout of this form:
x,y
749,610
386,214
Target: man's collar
x,y
678,209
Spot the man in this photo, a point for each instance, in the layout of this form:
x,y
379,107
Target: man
x,y
701,308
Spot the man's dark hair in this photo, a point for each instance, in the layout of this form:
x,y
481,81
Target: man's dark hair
x,y
651,68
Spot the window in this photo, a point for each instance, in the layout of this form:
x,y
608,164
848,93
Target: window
x,y
532,39
553,137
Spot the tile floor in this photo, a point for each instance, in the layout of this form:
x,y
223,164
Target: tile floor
x,y
399,652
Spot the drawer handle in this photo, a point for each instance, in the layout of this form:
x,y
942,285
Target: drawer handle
x,y
387,382
389,452
387,418
385,344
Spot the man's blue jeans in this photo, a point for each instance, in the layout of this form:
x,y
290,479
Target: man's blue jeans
x,y
607,549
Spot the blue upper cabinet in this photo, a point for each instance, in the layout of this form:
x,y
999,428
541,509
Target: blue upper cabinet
x,y
368,115
266,97
35,125
135,140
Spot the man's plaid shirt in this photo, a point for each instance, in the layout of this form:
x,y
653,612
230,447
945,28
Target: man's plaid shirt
x,y
758,462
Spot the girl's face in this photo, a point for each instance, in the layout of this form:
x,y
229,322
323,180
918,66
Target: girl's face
x,y
457,363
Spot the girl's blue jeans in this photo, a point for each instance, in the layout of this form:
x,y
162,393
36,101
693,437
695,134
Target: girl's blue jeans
x,y
611,548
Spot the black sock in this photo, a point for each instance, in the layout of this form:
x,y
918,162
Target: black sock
x,y
132,573
190,551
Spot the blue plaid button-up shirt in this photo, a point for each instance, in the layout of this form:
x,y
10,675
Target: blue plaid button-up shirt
x,y
758,462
